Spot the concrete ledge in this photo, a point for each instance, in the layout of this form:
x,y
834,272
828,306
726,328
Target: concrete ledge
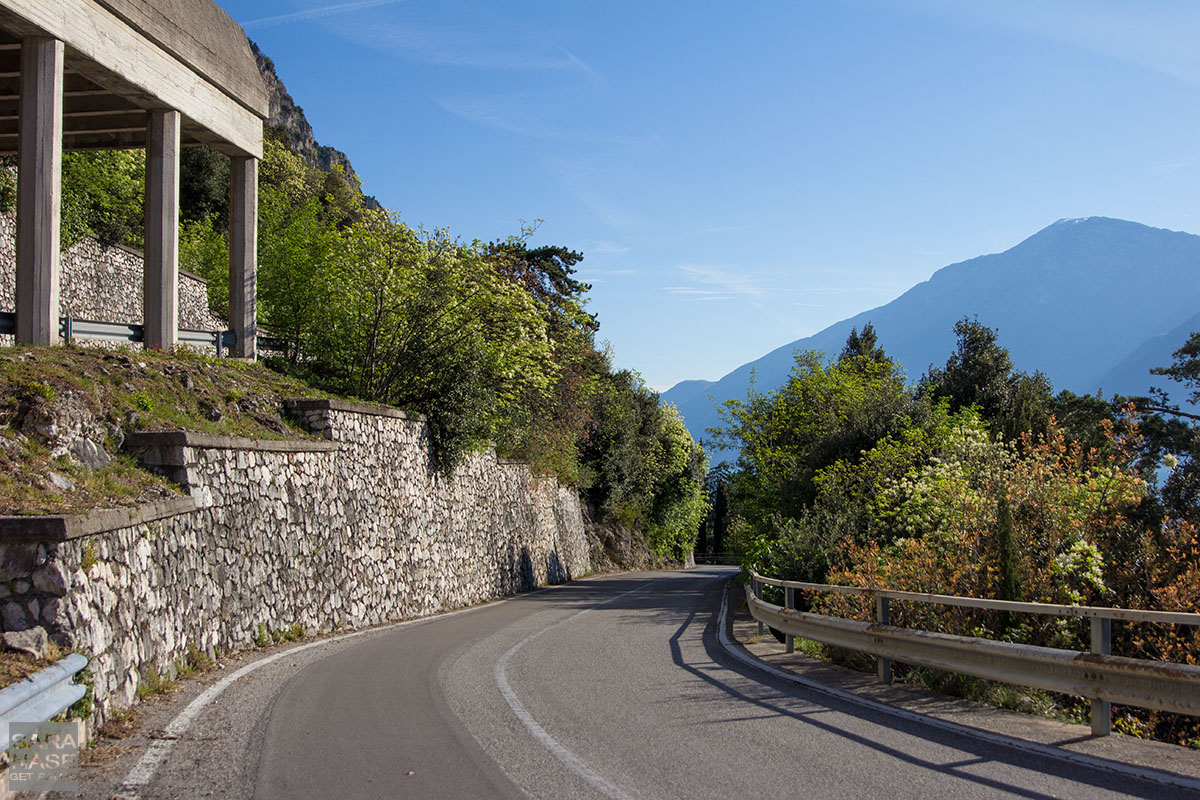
x,y
145,440
59,528
329,404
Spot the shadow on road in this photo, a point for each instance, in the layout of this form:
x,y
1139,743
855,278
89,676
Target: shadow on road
x,y
779,698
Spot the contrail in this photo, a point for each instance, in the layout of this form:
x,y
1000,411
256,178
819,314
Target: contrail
x,y
312,13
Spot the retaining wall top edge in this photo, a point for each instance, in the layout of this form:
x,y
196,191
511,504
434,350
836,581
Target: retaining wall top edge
x,y
61,527
144,439
331,404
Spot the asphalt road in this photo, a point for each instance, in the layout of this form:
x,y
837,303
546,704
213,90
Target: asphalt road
x,y
609,687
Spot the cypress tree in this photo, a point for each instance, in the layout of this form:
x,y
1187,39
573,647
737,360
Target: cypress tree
x,y
1009,581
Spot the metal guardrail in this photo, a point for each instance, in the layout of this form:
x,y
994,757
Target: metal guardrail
x,y
41,697
71,328
1099,676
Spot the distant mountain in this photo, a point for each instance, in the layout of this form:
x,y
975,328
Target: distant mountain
x,y
1093,303
1132,376
688,390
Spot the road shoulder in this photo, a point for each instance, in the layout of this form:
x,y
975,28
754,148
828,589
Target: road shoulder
x,y
1123,753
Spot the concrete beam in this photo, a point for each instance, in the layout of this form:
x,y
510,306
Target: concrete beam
x,y
243,255
161,275
39,190
128,64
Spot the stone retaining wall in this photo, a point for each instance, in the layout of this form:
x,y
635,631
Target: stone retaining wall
x,y
104,284
355,529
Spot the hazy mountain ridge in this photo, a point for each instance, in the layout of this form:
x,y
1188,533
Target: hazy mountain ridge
x,y
1079,301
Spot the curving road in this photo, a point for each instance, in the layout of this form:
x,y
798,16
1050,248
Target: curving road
x,y
610,687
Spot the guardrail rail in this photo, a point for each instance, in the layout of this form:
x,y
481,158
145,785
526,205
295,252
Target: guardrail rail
x,y
42,696
134,332
1098,675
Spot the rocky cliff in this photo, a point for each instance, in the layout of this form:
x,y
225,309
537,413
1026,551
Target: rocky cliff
x,y
289,118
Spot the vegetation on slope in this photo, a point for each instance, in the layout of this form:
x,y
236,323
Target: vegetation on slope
x,y
976,482
105,395
491,341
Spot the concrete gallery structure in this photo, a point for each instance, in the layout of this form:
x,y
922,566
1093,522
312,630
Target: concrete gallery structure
x,y
112,74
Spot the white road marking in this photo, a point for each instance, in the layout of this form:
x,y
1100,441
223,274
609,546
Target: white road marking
x,y
1091,762
143,772
573,762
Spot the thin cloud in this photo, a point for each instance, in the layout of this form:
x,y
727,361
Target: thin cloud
x,y
494,112
698,295
696,292
1179,165
458,46
586,69
314,13
606,248
602,276
842,289
581,182
717,281
1159,37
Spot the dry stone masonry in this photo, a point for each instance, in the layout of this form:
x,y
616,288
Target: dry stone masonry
x,y
354,529
104,284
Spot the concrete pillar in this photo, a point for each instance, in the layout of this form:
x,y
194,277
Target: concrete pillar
x,y
39,190
243,254
161,278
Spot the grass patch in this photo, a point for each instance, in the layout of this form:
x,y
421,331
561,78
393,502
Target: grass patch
x,y
1002,695
118,392
811,648
154,682
16,667
195,660
265,637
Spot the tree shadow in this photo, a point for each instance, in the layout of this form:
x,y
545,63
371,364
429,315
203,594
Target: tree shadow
x,y
817,703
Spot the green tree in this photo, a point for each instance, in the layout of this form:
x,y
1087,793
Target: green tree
x,y
1181,490
864,345
823,413
1007,566
204,186
980,374
1185,366
103,195
204,251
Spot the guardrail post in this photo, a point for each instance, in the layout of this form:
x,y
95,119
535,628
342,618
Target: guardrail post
x,y
1101,711
789,601
883,617
68,328
758,592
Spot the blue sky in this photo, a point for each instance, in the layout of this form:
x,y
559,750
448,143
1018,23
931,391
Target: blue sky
x,y
740,175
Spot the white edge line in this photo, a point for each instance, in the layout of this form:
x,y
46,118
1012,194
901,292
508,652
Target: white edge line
x,y
143,771
572,761
741,654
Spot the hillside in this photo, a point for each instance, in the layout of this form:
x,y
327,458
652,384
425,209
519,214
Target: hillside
x,y
1093,303
65,413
